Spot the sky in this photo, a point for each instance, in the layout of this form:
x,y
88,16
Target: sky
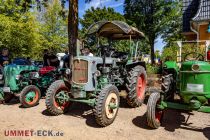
x,y
118,6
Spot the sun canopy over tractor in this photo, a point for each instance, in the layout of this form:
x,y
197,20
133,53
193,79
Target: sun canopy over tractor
x,y
115,30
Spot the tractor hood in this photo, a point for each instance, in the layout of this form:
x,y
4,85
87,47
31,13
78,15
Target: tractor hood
x,y
198,65
97,60
12,70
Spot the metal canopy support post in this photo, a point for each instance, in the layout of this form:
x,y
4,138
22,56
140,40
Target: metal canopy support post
x,y
180,52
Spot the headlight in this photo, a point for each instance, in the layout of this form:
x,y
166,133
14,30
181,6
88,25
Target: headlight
x,y
195,67
68,71
97,73
1,76
18,77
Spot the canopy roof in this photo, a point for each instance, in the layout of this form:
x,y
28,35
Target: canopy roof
x,y
116,30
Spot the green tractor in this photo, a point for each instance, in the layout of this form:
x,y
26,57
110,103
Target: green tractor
x,y
98,80
38,82
11,81
185,85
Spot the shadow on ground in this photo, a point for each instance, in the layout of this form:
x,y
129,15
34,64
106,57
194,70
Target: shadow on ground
x,y
172,120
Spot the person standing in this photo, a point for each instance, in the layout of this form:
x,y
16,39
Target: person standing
x,y
87,52
46,58
4,57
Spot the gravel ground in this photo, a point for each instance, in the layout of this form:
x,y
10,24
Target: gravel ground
x,y
130,124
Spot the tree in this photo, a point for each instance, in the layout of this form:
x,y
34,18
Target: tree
x,y
54,27
173,28
73,26
19,36
149,16
93,15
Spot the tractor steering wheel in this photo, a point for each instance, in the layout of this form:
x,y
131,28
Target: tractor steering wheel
x,y
196,58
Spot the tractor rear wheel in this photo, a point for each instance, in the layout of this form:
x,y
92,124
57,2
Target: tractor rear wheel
x,y
30,96
57,97
154,115
107,105
136,86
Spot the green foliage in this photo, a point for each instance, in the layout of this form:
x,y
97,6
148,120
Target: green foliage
x,y
173,26
150,16
54,28
153,69
170,53
24,35
93,15
18,36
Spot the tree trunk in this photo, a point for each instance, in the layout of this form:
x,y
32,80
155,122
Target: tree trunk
x,y
152,53
72,28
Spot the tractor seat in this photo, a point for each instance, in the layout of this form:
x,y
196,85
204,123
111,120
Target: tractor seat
x,y
46,69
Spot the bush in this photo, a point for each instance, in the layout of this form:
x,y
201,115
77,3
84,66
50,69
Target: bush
x,y
154,69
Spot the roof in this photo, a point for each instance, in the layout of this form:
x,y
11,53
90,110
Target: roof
x,y
189,10
203,13
115,30
195,11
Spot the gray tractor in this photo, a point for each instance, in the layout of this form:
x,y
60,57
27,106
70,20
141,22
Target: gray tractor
x,y
98,80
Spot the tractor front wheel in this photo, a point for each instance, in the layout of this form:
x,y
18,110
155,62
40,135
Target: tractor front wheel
x,y
154,115
107,105
57,98
30,96
136,86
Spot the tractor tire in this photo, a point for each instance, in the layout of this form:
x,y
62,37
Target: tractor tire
x,y
7,98
154,115
52,104
103,113
168,86
136,86
29,101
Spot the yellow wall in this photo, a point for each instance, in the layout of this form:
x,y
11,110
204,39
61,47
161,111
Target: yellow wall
x,y
204,35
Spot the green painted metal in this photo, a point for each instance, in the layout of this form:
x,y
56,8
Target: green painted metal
x,y
90,102
205,109
102,82
171,65
30,96
1,94
62,97
11,72
113,105
201,77
194,105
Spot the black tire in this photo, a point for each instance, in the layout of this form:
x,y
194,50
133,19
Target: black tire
x,y
108,92
136,96
24,93
154,115
168,86
53,106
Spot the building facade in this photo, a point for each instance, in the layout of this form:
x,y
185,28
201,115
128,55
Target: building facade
x,y
196,19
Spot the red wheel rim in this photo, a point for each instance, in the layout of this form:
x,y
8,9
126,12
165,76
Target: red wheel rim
x,y
62,106
158,115
35,98
140,86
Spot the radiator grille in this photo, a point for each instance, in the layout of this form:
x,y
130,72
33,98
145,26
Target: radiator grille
x,y
80,71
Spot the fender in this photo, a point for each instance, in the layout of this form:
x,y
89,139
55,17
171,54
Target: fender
x,y
133,64
171,67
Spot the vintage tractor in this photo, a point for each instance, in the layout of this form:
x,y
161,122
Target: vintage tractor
x,y
11,82
38,82
185,85
98,80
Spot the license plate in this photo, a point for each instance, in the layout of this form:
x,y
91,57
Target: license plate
x,y
195,87
6,89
